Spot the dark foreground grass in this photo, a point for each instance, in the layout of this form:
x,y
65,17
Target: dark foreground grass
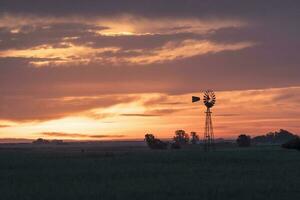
x,y
231,173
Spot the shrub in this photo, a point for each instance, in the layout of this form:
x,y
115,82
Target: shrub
x,y
194,138
292,144
244,140
154,143
277,137
41,141
175,145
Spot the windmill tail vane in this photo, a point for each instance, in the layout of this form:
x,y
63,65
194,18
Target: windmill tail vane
x,y
195,99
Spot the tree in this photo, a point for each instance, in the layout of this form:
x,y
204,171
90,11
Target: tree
x,y
181,137
149,138
194,138
154,143
244,140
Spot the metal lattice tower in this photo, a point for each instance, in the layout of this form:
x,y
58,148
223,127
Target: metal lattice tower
x,y
208,138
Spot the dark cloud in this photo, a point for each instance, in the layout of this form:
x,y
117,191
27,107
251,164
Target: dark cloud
x,y
163,112
135,41
155,112
15,140
59,134
4,126
285,96
227,115
172,103
174,8
51,34
138,115
246,69
62,35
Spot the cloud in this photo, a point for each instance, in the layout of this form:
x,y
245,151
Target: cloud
x,y
78,135
54,34
68,42
15,140
23,108
48,56
167,49
138,115
161,8
153,113
130,25
227,115
185,49
4,126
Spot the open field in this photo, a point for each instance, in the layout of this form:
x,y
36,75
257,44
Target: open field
x,y
134,172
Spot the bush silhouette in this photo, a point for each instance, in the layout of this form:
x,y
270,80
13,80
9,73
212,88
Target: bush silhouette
x,y
243,140
194,138
277,137
41,141
181,137
292,144
175,145
154,143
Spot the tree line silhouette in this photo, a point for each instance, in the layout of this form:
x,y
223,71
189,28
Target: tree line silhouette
x,y
282,137
180,139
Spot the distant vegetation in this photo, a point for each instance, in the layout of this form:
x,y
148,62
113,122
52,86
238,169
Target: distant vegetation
x,y
243,140
180,139
194,138
154,143
280,137
43,141
284,138
292,144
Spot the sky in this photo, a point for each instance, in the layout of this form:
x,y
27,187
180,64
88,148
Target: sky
x,y
118,69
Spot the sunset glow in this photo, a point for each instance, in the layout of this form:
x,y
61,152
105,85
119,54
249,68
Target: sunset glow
x,y
162,114
100,75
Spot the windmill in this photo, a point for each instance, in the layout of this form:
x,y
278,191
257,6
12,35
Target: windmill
x,y
209,100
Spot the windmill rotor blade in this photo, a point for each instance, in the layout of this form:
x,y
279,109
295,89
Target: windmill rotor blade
x,y
209,98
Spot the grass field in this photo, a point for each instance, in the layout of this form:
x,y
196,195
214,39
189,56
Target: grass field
x,y
138,173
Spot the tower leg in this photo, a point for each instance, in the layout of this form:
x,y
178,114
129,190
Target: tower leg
x,y
208,132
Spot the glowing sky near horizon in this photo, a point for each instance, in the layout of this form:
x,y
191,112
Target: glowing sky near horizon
x,y
120,69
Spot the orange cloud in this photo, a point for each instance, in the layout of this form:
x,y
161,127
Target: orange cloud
x,y
49,56
185,49
133,25
127,24
4,126
24,108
